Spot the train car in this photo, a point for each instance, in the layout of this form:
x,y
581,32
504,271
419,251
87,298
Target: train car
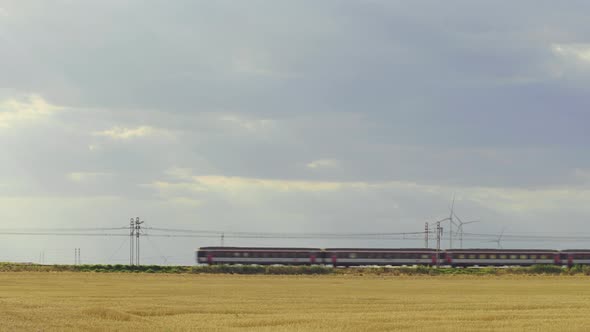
x,y
388,256
259,255
366,256
572,257
501,257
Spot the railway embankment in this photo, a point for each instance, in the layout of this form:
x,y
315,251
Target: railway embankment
x,y
299,270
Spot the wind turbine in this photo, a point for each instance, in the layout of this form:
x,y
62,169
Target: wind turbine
x,y
451,223
460,227
498,241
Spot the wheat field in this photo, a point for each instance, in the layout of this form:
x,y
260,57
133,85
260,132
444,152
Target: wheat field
x,y
167,302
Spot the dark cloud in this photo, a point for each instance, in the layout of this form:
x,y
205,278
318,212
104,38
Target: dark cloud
x,y
483,98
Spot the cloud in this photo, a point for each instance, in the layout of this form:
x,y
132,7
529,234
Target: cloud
x,y
179,173
580,52
94,147
323,163
257,63
331,119
235,184
87,177
251,125
124,133
505,200
17,111
582,174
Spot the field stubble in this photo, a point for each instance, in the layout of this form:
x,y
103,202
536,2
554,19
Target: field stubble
x,y
117,301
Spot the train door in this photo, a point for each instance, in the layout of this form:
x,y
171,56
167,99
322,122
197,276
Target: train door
x,y
557,259
449,258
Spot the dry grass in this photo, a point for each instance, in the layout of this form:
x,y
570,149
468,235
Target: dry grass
x,y
98,302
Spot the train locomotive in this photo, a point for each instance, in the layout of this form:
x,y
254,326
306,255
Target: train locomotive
x,y
390,256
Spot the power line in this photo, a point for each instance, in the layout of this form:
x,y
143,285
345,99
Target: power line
x,y
194,233
331,234
36,229
61,234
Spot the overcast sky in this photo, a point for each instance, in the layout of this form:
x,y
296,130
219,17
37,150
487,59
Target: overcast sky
x,y
293,116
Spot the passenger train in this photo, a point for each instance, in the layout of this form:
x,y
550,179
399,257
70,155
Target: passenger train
x,y
390,257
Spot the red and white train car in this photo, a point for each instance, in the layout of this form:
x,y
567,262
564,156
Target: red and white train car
x,y
371,256
500,257
572,257
259,256
393,257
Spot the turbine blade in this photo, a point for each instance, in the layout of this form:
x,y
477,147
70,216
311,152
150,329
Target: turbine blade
x,y
456,216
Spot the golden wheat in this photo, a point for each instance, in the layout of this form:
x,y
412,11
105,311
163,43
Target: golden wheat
x,y
99,302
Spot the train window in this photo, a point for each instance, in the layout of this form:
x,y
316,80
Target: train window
x,y
461,256
237,254
352,255
424,257
544,257
513,257
472,256
533,256
482,256
503,256
523,257
246,254
492,256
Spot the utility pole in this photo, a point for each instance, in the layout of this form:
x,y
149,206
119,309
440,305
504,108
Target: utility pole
x,y
131,234
134,233
451,224
426,235
137,233
438,233
222,238
77,256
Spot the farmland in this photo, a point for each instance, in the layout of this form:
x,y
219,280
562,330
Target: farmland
x,y
52,301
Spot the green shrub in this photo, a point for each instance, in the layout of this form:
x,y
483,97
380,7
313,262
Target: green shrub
x,y
545,269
